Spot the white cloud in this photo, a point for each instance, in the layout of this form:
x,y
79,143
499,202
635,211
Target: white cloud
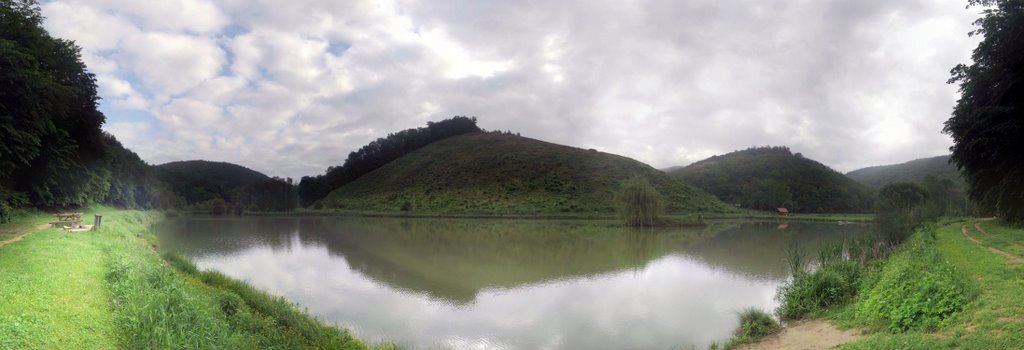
x,y
290,88
170,64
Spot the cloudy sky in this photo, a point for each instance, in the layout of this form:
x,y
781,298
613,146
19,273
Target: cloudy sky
x,y
289,88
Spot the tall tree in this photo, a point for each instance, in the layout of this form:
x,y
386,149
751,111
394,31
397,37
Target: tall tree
x,y
51,144
987,124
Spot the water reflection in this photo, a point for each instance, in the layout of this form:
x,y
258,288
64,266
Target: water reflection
x,y
505,284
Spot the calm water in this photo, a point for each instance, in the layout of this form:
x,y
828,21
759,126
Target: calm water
x,y
481,284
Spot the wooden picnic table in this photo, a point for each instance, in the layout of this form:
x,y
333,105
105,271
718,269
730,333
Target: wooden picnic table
x,y
68,216
68,219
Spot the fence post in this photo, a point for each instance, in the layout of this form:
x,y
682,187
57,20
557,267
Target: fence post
x,y
96,222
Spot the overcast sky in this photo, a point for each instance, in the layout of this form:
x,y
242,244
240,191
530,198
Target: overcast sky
x,y
289,88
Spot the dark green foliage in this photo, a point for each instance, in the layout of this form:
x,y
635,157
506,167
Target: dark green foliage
x,y
640,203
490,173
380,152
830,285
52,150
987,124
913,171
766,178
50,138
898,210
918,289
218,187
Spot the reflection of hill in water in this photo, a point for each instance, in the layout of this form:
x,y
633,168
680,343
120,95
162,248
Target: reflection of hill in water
x,y
455,259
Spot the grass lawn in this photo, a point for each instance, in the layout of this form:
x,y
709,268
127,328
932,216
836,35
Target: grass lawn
x,y
53,290
993,320
108,288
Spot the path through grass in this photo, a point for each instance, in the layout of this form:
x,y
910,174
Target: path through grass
x,y
995,319
53,291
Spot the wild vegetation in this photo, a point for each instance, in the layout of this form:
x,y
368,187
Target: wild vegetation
x,y
766,178
380,152
509,174
986,123
52,150
755,324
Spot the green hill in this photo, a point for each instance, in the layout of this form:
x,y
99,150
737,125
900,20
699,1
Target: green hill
x,y
226,175
912,171
492,173
766,178
200,184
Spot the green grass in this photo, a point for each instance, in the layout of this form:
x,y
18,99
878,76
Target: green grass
x,y
109,289
754,325
491,174
993,319
53,291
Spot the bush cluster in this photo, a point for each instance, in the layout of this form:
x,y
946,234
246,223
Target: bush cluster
x,y
917,290
832,284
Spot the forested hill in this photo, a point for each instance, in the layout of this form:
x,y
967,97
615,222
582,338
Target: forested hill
x,y
220,187
912,171
766,178
380,152
222,174
495,173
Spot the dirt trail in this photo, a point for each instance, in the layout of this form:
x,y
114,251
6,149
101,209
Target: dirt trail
x,y
1013,260
26,233
813,334
977,226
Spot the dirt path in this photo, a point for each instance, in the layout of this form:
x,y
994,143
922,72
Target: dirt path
x,y
977,226
26,233
813,334
1012,260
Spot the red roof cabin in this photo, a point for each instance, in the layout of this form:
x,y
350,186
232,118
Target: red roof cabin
x,y
782,211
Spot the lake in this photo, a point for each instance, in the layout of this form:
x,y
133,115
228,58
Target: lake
x,y
507,284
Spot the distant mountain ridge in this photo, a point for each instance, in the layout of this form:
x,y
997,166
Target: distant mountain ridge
x,y
912,171
766,178
500,173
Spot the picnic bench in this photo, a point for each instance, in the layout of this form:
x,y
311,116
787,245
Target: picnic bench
x,y
73,220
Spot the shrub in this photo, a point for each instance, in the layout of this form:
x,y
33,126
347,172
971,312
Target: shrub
x,y
808,292
918,289
754,325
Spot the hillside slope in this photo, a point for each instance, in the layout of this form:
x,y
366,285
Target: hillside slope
x,y
769,177
912,171
507,174
199,180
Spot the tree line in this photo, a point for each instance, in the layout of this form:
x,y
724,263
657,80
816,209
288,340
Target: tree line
x,y
53,152
380,152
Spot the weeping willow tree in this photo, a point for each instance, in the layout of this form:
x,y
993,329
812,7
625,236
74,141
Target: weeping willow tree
x,y
640,203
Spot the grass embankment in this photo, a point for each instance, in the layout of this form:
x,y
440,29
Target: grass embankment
x,y
487,174
994,318
109,289
956,284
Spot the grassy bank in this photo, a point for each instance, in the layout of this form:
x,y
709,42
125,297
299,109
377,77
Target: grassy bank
x,y
994,317
954,284
109,289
